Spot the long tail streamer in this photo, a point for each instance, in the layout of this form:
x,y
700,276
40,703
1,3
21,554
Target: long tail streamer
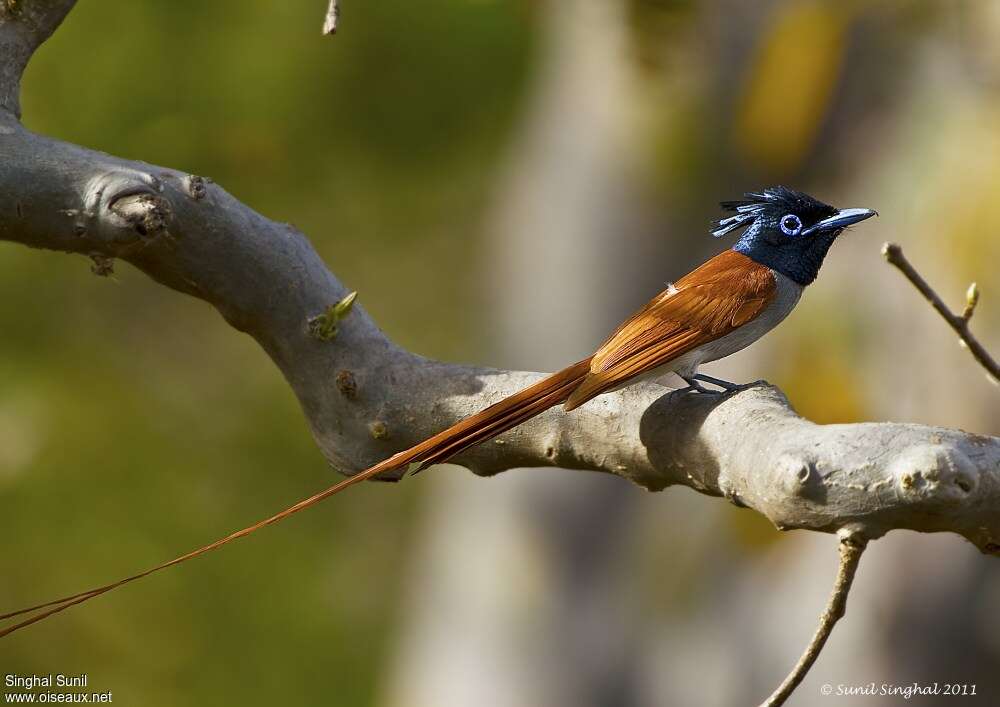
x,y
482,426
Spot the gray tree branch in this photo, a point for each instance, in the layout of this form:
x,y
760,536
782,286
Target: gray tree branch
x,y
24,25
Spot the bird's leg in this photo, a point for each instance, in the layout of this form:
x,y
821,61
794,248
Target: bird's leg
x,y
694,386
725,385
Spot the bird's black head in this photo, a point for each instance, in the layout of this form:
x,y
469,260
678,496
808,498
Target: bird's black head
x,y
787,230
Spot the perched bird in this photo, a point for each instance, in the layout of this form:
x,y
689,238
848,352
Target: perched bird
x,y
715,310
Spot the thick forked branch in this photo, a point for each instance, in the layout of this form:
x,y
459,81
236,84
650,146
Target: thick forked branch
x,y
365,398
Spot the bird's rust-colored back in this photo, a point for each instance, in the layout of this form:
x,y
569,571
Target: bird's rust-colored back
x,y
711,301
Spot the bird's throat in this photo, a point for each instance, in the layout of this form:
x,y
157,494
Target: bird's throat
x,y
799,261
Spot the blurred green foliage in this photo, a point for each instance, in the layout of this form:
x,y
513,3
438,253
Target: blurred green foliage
x,y
135,425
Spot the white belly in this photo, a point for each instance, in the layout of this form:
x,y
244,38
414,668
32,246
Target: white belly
x,y
786,297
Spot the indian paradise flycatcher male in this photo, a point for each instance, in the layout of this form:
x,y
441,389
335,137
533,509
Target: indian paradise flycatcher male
x,y
715,310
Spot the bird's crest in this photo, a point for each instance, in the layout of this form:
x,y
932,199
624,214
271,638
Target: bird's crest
x,y
773,200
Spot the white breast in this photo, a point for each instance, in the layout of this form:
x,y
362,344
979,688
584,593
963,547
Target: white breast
x,y
786,297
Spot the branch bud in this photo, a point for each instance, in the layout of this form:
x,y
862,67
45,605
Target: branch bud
x,y
971,300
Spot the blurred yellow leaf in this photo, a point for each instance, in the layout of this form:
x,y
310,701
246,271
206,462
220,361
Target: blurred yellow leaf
x,y
791,83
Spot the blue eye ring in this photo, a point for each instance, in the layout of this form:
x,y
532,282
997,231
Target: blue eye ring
x,y
790,224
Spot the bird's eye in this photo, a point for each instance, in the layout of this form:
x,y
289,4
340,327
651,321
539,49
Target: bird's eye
x,y
791,225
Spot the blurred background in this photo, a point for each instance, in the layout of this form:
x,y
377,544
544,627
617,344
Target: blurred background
x,y
479,170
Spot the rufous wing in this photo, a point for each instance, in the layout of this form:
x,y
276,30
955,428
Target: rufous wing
x,y
721,295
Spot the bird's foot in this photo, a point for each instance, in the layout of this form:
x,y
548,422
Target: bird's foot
x,y
693,386
725,385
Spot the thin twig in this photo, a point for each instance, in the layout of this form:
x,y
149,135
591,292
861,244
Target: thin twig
x,y
332,16
851,549
959,322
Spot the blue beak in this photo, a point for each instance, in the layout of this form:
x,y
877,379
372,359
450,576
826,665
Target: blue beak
x,y
842,219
